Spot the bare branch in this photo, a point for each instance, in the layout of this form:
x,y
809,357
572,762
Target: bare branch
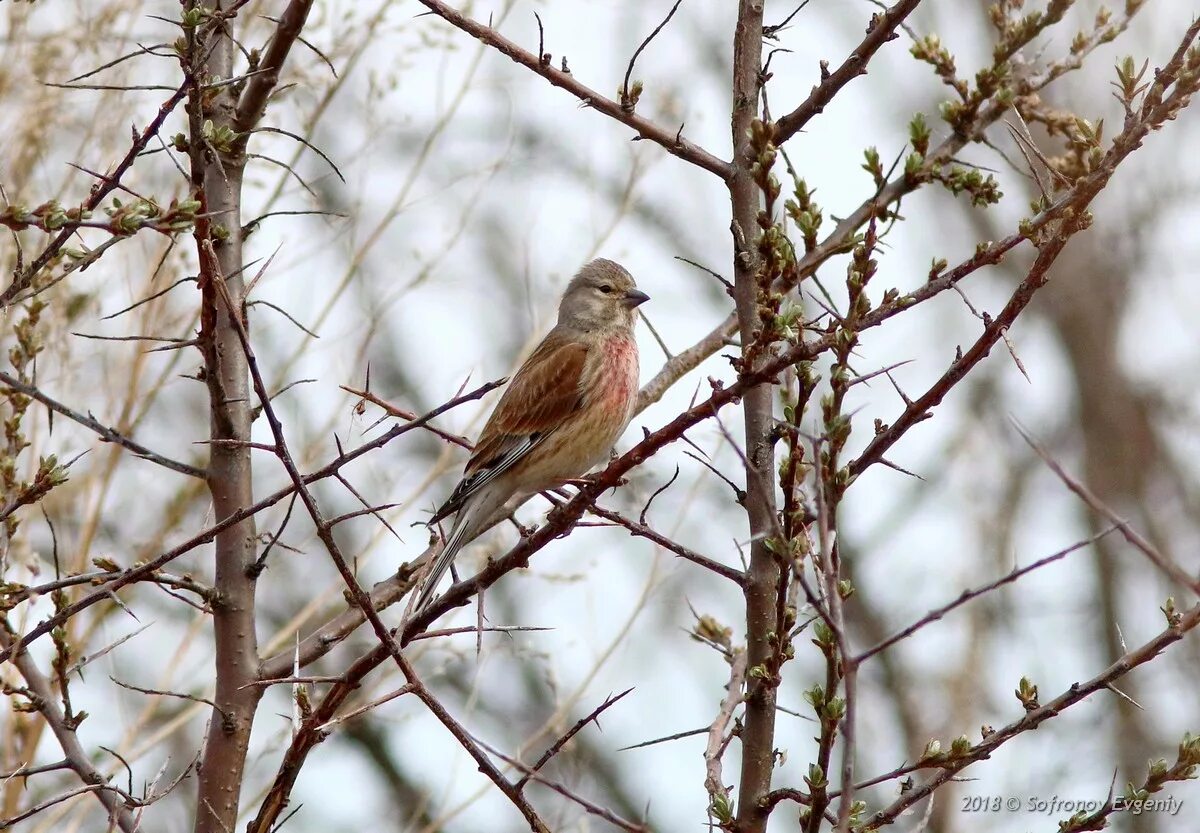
x,y
969,595
148,568
1161,561
671,141
23,281
592,808
718,793
253,101
629,100
881,30
641,530
64,732
557,746
1033,718
103,431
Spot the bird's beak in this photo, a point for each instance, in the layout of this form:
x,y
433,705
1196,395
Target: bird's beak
x,y
635,297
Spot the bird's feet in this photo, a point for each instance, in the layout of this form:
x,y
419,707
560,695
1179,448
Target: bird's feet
x,y
523,530
592,480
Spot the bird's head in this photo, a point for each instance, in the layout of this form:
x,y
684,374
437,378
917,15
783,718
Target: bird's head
x,y
602,295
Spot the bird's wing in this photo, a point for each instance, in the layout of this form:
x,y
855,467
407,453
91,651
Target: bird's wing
x,y
543,393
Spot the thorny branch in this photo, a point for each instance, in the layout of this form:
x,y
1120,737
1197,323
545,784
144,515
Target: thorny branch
x,y
277,797
841,238
1068,216
969,595
103,431
148,568
100,190
252,103
1157,558
556,747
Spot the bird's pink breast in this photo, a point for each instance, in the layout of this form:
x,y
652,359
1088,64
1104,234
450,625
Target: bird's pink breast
x,y
610,386
619,377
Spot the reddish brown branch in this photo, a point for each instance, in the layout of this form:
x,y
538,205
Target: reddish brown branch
x,y
1070,217
641,530
278,796
1035,717
969,595
671,141
100,190
557,746
881,30
146,570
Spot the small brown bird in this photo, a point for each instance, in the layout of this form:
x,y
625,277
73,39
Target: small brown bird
x,y
559,417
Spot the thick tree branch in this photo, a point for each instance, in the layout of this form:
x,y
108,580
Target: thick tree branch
x,y
763,575
280,792
217,169
253,102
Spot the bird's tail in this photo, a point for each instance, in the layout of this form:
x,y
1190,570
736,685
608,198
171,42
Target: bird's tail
x,y
460,536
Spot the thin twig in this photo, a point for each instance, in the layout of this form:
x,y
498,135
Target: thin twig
x,y
103,431
883,29
557,746
1165,564
671,141
967,595
629,103
63,729
158,693
1033,718
23,281
148,568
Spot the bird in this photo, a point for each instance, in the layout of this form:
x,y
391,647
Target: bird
x,y
559,416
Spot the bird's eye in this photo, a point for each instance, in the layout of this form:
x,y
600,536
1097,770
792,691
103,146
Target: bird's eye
x,y
606,289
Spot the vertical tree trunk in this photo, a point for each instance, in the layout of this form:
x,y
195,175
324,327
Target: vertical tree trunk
x,y
217,169
758,734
